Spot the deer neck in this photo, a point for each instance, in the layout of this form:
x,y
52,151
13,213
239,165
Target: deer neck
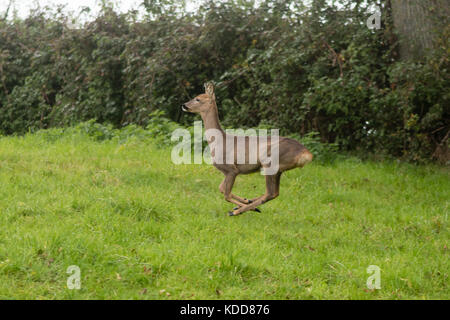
x,y
211,118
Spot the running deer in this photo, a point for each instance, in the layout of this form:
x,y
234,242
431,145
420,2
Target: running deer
x,y
290,153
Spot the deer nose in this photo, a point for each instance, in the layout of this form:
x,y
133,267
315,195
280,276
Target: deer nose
x,y
184,107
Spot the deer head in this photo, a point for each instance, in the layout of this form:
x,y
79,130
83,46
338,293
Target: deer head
x,y
203,102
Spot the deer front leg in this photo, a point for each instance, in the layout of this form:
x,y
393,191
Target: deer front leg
x,y
272,191
226,186
242,201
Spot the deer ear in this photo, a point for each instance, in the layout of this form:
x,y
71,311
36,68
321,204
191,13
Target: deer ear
x,y
209,89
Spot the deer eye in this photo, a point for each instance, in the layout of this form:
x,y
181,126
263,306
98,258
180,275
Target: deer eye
x,y
197,99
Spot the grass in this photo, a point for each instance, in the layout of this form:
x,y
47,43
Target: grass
x,y
140,227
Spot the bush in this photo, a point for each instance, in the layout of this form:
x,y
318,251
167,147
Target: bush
x,y
302,69
323,152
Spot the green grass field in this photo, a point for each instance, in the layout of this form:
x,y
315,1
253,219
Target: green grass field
x,y
140,227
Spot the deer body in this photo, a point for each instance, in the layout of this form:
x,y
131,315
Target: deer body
x,y
291,154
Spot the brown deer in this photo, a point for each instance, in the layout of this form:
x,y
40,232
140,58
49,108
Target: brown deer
x,y
291,154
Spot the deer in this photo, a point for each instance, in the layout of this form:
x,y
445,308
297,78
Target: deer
x,y
291,154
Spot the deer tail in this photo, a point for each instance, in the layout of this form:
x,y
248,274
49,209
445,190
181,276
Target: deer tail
x,y
304,158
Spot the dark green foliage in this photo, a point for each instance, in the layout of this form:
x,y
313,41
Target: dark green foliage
x,y
316,72
323,152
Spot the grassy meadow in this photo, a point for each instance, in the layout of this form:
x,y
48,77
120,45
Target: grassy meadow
x,y
140,227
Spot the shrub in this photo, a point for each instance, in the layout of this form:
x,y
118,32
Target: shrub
x,y
302,69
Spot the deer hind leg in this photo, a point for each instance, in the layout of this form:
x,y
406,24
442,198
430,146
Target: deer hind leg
x,y
277,184
272,191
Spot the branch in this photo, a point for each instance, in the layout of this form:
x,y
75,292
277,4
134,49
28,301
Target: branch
x,y
337,57
7,10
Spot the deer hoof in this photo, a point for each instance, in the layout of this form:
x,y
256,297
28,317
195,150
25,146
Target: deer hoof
x,y
231,214
257,210
248,200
